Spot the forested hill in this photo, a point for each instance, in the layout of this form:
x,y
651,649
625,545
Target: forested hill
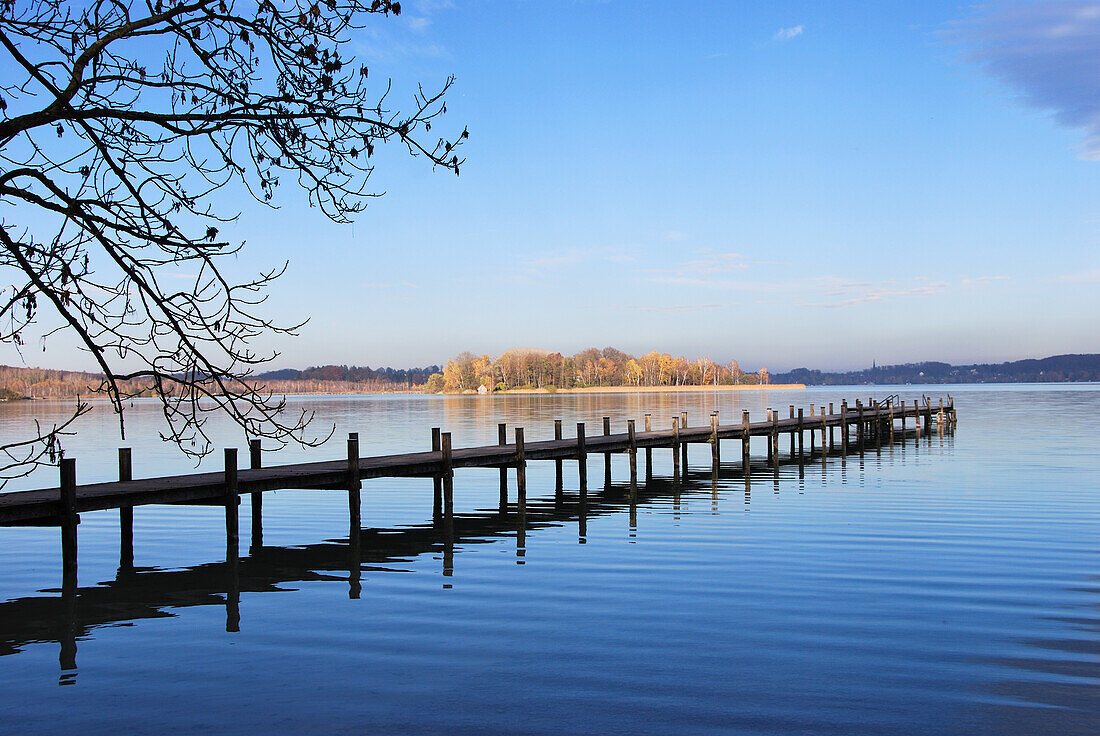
x,y
18,382
1057,368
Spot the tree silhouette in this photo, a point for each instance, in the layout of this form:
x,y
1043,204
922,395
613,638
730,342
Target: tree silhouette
x,y
123,127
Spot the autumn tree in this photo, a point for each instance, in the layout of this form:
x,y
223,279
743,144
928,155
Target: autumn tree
x,y
125,128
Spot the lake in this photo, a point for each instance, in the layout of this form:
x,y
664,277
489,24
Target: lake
x,y
939,585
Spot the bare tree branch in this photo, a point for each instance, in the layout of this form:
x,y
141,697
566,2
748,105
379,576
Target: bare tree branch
x,y
119,121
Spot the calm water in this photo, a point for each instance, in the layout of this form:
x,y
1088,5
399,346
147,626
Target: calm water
x,y
949,585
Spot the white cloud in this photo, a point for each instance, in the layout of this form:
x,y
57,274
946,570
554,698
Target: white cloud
x,y
786,34
1049,52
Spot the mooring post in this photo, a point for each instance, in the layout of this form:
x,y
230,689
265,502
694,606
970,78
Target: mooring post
x,y
69,521
928,416
502,440
715,453
125,513
648,450
684,445
939,418
448,485
521,477
557,463
916,416
890,410
844,427
675,449
437,480
745,437
632,449
800,426
582,460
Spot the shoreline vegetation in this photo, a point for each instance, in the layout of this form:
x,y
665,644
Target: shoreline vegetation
x,y
530,371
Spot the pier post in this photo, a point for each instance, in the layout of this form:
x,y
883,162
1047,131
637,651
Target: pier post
x,y
437,480
832,442
448,488
684,445
557,463
255,462
355,485
502,440
649,450
69,522
813,437
771,448
859,424
125,513
521,478
928,416
606,455
715,453
447,478
903,416
844,427
792,432
745,437
774,439
916,416
632,440
890,410
800,426
582,460
824,430
231,500
939,418
675,449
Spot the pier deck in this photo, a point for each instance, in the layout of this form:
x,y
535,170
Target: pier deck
x,y
44,506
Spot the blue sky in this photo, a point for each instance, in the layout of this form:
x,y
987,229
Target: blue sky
x,y
815,184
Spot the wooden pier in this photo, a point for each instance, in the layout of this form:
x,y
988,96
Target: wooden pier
x,y
874,423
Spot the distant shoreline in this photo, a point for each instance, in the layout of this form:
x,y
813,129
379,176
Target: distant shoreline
x,y
654,389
